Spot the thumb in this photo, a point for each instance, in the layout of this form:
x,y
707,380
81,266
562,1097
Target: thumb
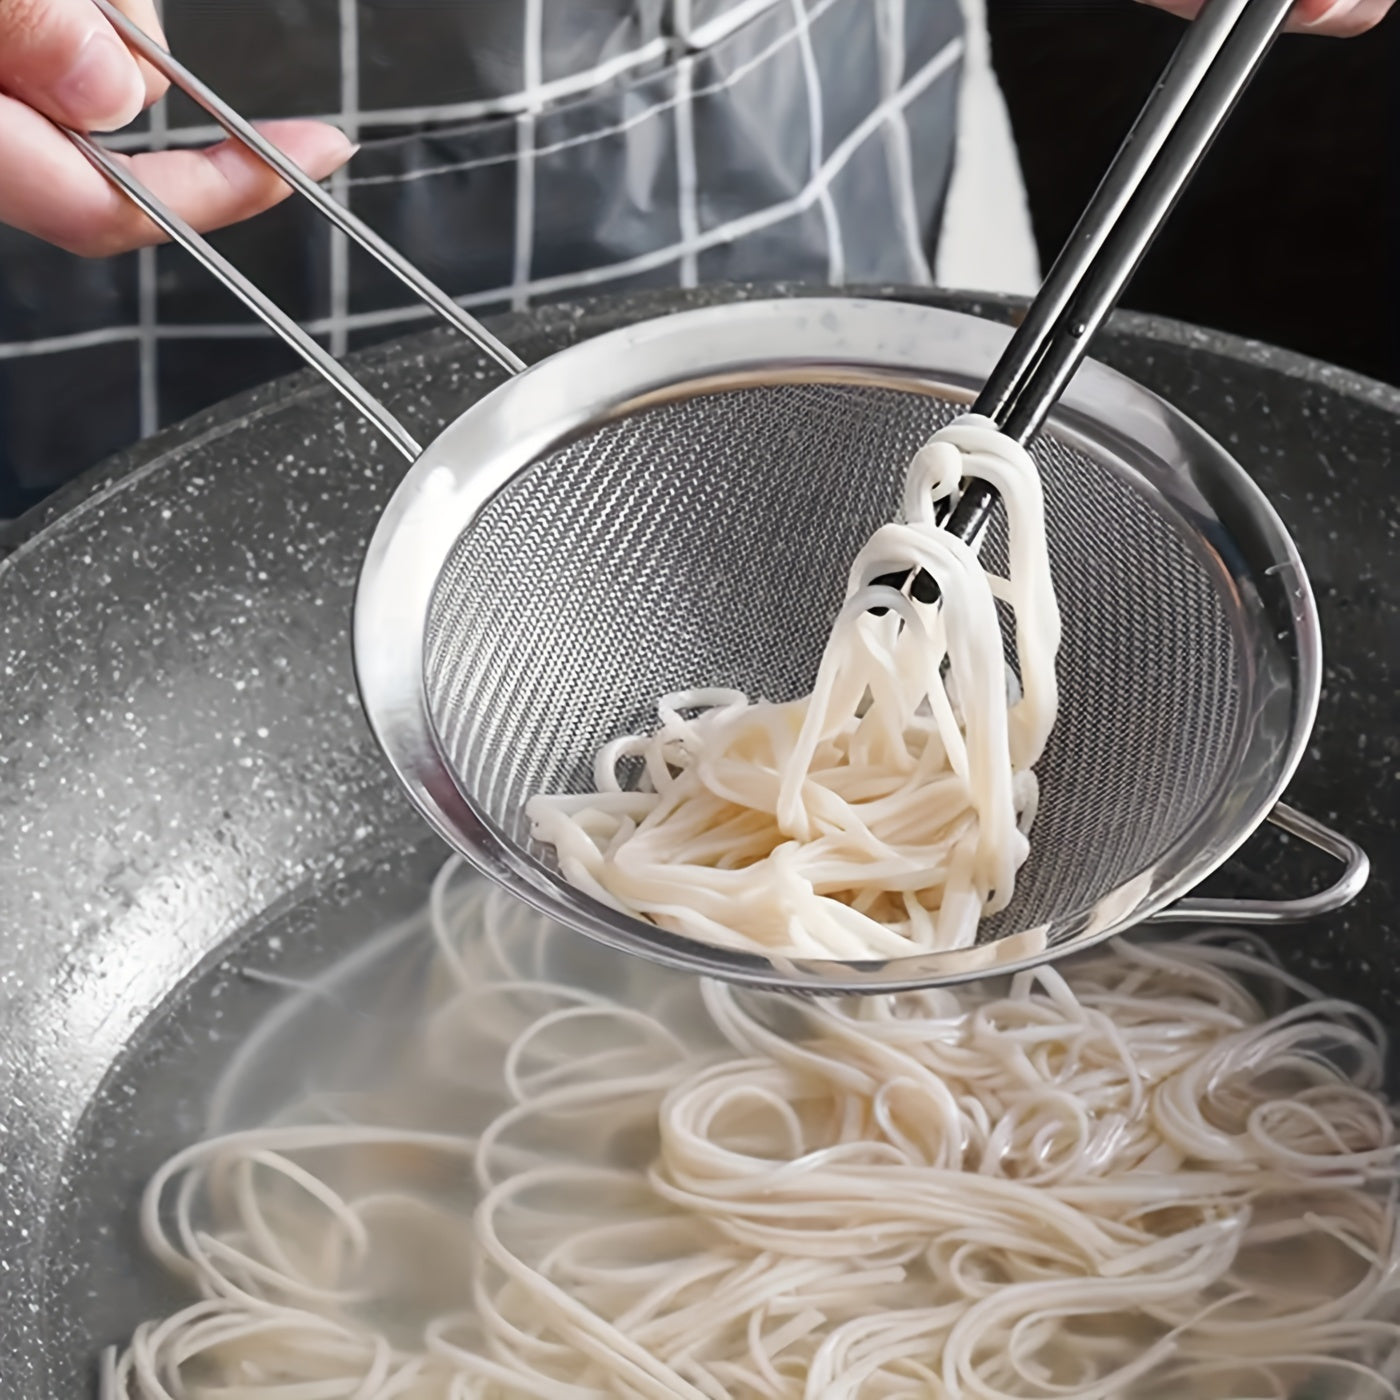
x,y
62,58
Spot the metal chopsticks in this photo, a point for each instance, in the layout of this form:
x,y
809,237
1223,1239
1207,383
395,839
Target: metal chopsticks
x,y
1213,64
1206,75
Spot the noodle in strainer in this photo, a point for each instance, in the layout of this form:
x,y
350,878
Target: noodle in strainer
x,y
675,506
526,601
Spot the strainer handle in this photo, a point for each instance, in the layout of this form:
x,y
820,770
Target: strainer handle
x,y
1356,868
354,228
257,301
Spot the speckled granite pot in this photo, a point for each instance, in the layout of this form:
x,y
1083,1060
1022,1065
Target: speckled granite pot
x,y
185,775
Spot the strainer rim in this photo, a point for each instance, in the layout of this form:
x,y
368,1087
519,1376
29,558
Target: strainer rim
x,y
608,376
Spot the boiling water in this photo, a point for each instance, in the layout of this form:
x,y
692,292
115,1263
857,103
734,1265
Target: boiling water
x,y
100,1279
230,1050
316,1000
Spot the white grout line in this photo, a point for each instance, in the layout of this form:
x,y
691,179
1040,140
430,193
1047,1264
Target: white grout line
x,y
729,232
339,307
686,182
816,123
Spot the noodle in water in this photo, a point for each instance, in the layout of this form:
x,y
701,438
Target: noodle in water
x,y
889,811
1166,1170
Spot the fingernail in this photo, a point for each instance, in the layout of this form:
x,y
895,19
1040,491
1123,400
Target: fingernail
x,y
1332,12
102,88
335,159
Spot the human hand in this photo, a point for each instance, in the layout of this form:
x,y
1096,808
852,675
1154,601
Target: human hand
x,y
61,59
1340,18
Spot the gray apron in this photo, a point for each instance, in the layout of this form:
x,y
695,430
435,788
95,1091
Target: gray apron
x,y
517,151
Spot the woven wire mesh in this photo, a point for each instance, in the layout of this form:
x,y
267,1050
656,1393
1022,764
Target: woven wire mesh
x,y
707,542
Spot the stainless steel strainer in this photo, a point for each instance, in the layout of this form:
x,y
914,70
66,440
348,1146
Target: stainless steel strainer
x,y
677,504
526,599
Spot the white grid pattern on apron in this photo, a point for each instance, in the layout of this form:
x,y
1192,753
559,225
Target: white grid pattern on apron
x,y
888,114
706,25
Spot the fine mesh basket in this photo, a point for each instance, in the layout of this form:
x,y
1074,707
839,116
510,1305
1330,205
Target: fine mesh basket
x,y
677,504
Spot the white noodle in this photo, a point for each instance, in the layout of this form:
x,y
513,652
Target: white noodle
x,y
1153,1173
888,811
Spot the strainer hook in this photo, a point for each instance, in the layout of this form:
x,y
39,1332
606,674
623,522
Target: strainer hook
x,y
1356,869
